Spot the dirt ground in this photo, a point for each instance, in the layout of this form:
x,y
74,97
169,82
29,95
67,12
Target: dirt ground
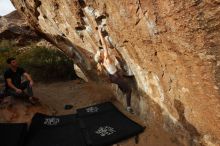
x,y
55,96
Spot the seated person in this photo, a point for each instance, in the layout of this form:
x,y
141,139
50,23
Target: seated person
x,y
13,85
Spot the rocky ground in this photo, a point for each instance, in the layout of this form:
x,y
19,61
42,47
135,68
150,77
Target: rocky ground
x,y
79,94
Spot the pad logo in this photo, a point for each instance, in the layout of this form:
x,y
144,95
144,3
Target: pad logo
x,y
105,131
51,121
92,109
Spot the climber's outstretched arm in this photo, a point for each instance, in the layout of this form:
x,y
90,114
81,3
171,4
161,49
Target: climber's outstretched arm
x,y
103,43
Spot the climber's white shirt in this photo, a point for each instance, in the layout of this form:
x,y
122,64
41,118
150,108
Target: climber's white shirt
x,y
110,66
97,56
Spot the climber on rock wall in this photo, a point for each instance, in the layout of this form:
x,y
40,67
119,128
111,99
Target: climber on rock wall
x,y
108,61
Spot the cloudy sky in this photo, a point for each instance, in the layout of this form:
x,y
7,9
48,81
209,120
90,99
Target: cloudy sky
x,y
6,7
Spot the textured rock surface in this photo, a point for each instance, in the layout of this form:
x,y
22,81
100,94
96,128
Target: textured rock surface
x,y
171,46
14,27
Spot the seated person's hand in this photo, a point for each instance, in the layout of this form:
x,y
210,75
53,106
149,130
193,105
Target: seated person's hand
x,y
19,91
31,83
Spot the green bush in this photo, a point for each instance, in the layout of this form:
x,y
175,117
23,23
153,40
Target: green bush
x,y
7,49
44,65
6,45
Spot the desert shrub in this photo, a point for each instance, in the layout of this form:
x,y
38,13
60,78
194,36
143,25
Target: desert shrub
x,y
6,45
7,49
44,64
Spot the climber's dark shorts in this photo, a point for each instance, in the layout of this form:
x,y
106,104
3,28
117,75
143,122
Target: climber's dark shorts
x,y
120,81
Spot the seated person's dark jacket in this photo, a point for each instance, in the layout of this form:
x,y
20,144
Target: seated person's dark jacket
x,y
14,76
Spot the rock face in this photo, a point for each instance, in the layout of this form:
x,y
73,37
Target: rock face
x,y
14,27
172,48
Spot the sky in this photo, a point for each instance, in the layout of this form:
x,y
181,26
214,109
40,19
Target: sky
x,y
6,7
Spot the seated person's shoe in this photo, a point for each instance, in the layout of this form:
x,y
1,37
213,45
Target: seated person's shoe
x,y
6,100
34,100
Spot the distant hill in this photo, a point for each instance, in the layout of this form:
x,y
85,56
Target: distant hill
x,y
14,27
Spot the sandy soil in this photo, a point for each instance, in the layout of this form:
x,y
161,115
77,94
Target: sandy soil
x,y
79,94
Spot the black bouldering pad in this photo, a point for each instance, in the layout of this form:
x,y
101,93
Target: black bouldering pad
x,y
104,125
12,134
96,109
55,131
